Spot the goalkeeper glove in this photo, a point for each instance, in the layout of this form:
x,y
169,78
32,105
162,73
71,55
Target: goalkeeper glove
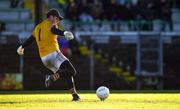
x,y
68,35
20,50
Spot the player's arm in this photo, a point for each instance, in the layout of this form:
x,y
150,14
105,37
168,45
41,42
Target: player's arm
x,y
68,35
28,42
57,31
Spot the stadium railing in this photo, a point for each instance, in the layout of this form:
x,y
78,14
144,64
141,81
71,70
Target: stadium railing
x,y
15,14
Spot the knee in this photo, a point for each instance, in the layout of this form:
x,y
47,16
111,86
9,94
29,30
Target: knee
x,y
68,73
73,72
69,69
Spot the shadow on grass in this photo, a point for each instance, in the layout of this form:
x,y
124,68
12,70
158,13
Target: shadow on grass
x,y
87,92
9,102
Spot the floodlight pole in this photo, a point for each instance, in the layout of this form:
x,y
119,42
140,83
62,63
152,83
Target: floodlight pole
x,y
92,67
21,65
38,11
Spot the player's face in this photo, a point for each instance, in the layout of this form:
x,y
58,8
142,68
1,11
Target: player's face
x,y
54,19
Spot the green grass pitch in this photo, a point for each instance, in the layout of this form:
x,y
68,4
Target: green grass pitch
x,y
89,100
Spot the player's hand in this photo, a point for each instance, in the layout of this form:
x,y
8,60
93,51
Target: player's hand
x,y
68,35
20,50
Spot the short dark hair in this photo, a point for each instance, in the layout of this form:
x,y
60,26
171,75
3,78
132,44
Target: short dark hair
x,y
54,12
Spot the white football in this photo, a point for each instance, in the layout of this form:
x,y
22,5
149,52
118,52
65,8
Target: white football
x,y
102,93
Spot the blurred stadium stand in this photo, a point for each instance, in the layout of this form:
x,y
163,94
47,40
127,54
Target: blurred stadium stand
x,y
114,56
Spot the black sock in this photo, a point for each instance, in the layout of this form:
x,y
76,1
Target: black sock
x,y
70,84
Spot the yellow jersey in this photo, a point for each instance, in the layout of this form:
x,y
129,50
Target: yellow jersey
x,y
46,40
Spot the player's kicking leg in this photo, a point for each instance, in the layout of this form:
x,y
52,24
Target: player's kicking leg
x,y
66,71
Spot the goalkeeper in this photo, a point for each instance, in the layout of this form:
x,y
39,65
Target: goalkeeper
x,y
45,34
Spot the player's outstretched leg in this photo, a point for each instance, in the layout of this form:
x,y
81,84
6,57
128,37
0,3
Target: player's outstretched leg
x,y
68,72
